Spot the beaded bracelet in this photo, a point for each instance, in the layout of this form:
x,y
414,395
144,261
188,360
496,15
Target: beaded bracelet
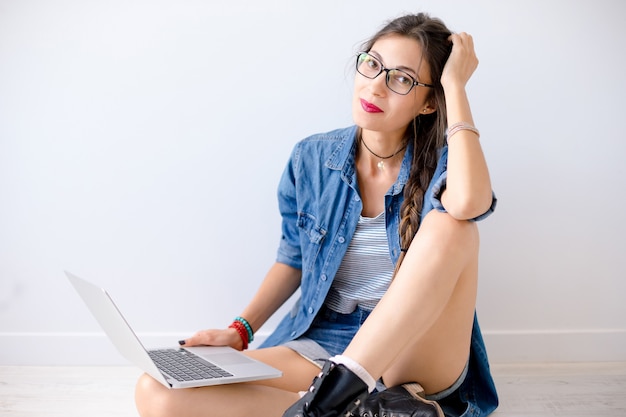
x,y
461,126
243,333
247,326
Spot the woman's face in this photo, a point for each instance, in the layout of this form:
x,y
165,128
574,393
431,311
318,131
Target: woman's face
x,y
374,106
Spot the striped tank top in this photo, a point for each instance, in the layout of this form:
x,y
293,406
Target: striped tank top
x,y
365,271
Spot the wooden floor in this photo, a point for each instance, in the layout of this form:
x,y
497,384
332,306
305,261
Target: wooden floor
x,y
526,390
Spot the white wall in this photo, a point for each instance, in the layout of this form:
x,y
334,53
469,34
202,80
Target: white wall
x,y
141,143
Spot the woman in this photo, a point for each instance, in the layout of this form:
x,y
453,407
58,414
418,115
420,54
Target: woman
x,y
377,234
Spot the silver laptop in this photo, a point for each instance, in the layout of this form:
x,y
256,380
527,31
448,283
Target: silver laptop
x,y
173,367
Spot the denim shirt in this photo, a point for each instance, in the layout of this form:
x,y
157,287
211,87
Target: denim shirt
x,y
320,205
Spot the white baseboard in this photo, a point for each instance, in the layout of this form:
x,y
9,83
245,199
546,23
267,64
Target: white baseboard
x,y
62,349
602,345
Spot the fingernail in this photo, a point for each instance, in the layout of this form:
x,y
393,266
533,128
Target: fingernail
x,y
181,342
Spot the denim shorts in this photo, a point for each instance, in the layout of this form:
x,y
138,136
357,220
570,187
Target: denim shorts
x,y
334,331
331,332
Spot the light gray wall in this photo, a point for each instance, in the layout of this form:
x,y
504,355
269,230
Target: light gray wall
x,y
141,143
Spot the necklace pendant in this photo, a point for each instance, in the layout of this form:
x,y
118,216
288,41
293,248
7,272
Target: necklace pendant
x,y
381,165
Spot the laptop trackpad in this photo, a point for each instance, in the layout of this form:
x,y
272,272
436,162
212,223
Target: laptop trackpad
x,y
229,359
220,355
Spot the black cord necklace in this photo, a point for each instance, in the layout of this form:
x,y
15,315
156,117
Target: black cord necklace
x,y
381,163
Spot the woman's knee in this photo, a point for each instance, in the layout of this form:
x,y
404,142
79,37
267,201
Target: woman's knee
x,y
152,399
445,229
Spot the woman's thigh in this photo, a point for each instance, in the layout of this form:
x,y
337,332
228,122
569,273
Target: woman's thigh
x,y
298,372
438,358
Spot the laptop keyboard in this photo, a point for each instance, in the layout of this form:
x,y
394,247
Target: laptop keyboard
x,y
184,366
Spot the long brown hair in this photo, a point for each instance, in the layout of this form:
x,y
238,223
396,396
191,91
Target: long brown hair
x,y
426,131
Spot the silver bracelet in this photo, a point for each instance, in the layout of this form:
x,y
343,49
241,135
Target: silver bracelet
x,y
461,126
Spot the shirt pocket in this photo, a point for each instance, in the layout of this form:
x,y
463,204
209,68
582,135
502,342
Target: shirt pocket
x,y
313,235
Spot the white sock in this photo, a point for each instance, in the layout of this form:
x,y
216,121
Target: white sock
x,y
355,367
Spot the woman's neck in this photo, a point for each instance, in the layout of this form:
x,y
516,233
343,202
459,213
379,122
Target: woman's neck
x,y
381,150
383,144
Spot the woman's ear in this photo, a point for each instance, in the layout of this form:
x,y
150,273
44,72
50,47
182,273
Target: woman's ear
x,y
428,109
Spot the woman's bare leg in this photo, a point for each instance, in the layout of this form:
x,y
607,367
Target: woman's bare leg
x,y
260,398
421,329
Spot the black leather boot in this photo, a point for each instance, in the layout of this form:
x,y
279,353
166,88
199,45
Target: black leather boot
x,y
400,401
336,391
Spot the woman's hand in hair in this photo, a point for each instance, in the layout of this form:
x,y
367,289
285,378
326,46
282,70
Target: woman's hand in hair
x,y
462,61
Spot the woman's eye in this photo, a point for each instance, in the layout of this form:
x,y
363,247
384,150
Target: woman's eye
x,y
402,79
372,63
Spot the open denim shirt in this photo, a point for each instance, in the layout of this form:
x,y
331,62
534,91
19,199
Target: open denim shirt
x,y
320,206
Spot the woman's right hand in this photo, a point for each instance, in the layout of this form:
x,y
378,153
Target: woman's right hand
x,y
215,337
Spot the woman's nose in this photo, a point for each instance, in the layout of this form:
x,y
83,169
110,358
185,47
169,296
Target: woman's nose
x,y
378,85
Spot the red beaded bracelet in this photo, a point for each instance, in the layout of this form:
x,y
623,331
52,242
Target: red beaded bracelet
x,y
243,333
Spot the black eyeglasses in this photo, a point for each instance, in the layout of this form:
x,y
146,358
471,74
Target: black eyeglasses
x,y
397,80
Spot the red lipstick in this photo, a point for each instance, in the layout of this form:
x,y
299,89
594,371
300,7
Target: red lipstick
x,y
369,107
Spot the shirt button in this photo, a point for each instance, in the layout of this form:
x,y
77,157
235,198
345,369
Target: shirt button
x,y
310,310
323,277
341,239
356,198
293,334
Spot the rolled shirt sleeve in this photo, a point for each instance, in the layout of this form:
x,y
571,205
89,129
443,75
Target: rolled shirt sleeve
x,y
432,198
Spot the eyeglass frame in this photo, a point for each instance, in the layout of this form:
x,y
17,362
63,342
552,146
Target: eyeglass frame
x,y
387,70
